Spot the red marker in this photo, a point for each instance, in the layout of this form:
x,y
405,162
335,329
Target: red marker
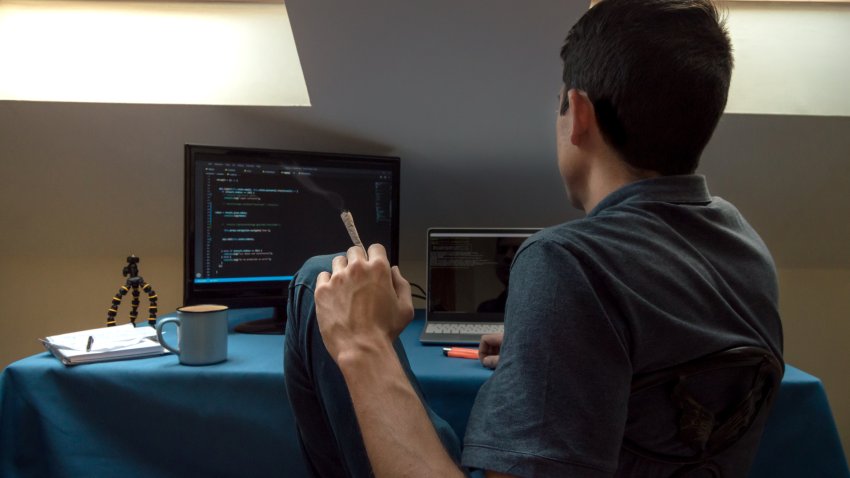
x,y
461,352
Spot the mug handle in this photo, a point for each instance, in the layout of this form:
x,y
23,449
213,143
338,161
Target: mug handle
x,y
162,341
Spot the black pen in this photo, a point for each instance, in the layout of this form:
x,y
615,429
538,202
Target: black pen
x,y
88,344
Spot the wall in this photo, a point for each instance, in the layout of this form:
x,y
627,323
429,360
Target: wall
x,y
815,306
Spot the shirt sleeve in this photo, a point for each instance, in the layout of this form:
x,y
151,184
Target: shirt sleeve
x,y
557,403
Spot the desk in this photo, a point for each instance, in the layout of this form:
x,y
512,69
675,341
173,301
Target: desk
x,y
154,418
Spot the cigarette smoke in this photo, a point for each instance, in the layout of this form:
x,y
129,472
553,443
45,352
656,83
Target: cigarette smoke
x,y
336,201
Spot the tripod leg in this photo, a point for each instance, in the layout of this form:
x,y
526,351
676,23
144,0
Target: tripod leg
x,y
152,308
113,309
134,312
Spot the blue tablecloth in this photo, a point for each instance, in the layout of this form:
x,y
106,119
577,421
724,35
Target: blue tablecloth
x,y
153,417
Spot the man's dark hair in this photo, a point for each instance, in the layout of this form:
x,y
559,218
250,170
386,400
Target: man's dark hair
x,y
657,72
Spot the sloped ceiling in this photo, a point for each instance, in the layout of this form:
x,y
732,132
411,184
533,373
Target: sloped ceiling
x,y
464,92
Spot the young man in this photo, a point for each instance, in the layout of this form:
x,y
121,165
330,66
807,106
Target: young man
x,y
658,273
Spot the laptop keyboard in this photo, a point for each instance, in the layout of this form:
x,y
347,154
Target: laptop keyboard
x,y
463,328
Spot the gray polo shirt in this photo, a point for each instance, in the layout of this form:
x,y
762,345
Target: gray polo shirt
x,y
657,274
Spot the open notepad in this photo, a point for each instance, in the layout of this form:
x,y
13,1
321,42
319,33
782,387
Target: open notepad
x,y
107,343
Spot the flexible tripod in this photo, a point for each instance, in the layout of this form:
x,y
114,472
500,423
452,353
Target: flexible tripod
x,y
135,282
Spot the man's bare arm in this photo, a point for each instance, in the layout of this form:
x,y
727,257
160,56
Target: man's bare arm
x,y
399,436
361,309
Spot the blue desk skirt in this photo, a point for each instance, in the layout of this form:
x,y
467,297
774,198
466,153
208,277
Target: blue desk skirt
x,y
155,418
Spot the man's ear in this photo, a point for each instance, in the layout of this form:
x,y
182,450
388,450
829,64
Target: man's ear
x,y
582,115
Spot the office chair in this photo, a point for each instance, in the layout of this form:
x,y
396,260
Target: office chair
x,y
703,432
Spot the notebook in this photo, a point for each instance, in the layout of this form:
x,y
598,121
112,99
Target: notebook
x,y
103,344
467,283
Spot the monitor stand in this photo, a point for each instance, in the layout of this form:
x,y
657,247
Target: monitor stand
x,y
276,325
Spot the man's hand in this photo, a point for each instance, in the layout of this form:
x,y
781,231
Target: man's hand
x,y
363,303
488,350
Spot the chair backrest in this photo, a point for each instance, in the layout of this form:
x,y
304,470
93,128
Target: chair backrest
x,y
705,432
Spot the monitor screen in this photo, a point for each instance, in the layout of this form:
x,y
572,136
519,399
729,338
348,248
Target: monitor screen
x,y
253,216
468,272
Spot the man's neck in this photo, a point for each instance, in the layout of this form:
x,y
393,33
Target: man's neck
x,y
609,175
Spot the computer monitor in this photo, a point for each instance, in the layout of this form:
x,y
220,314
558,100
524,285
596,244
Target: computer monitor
x,y
253,216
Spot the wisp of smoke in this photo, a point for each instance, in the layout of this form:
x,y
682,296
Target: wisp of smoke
x,y
334,198
338,203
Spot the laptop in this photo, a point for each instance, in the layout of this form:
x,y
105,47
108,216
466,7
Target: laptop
x,y
467,282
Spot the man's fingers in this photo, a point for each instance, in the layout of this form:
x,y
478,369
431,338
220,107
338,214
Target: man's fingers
x,y
401,286
377,251
338,263
356,253
323,278
490,343
489,348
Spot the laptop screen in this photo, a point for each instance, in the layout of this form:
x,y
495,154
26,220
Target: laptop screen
x,y
468,272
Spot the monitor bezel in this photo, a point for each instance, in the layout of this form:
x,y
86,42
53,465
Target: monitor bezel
x,y
272,293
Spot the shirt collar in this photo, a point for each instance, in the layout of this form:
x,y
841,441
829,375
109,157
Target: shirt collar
x,y
684,189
